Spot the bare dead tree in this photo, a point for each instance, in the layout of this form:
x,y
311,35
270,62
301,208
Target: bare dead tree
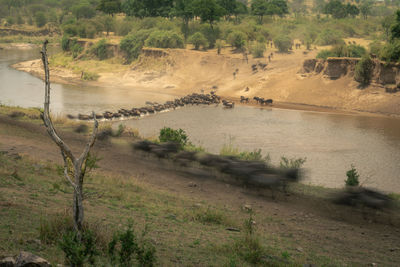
x,y
74,167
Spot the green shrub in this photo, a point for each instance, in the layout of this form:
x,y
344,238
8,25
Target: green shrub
x,y
10,20
133,43
70,29
76,49
211,34
100,50
283,43
352,177
78,252
40,19
356,51
165,39
237,39
171,135
329,37
130,247
258,49
293,163
325,53
90,76
198,40
391,52
363,71
375,47
65,43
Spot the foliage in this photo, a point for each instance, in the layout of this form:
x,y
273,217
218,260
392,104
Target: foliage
x,y
198,40
211,34
40,19
363,71
129,245
391,51
237,39
352,177
109,6
293,163
263,8
283,43
256,155
352,50
208,10
132,44
165,39
329,37
100,49
339,10
258,49
145,8
325,53
76,49
65,43
90,76
170,135
77,252
219,44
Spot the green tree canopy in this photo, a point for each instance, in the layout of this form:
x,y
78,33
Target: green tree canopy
x,y
208,10
110,6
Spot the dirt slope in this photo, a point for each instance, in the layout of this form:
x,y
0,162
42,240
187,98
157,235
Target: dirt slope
x,y
310,224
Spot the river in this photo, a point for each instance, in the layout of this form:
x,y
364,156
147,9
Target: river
x,y
330,142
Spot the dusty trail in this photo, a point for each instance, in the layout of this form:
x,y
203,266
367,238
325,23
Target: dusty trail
x,y
316,224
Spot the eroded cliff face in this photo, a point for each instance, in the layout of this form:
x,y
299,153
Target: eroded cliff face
x,y
385,74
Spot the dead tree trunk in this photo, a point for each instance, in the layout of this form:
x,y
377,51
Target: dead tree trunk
x,y
74,168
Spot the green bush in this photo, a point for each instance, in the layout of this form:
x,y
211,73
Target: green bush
x,y
283,43
10,20
329,37
171,135
363,71
165,39
133,43
78,252
70,29
40,19
356,51
130,247
211,34
90,76
198,40
375,47
237,39
258,49
65,43
76,49
100,50
391,52
293,163
325,53
352,177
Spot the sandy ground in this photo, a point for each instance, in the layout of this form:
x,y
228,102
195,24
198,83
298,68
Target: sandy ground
x,y
186,71
314,224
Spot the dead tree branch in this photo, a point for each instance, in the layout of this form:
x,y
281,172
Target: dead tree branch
x,y
76,166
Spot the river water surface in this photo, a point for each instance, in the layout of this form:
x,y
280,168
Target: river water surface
x,y
330,142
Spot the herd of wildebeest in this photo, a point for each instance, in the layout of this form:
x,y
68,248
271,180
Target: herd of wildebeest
x,y
258,174
154,107
251,173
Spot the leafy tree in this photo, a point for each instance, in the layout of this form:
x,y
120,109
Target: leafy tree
x,y
395,27
184,9
283,43
391,51
352,10
40,19
240,10
198,40
208,10
365,8
83,10
336,9
263,8
165,39
229,6
318,6
146,8
110,6
352,177
237,39
387,23
132,44
363,71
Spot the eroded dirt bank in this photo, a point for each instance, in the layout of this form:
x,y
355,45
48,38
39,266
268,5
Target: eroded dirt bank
x,y
180,72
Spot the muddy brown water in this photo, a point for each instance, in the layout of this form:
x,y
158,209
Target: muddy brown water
x,y
330,142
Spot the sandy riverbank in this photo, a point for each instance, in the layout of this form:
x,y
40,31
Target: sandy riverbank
x,y
181,72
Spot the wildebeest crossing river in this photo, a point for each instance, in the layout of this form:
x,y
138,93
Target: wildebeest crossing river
x,y
330,142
